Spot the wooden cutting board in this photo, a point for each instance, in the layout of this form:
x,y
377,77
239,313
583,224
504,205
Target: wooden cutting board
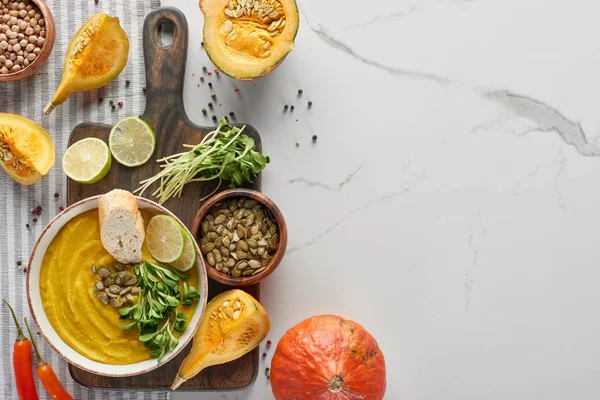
x,y
165,69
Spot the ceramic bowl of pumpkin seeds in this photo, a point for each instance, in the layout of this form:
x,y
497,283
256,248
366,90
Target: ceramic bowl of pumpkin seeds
x,y
242,236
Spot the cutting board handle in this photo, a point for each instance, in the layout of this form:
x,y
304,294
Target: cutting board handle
x,y
165,65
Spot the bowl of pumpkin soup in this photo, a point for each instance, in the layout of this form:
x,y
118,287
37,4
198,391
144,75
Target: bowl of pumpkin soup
x,y
95,311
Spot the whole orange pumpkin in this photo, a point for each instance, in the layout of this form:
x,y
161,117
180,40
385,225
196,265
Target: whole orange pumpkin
x,y
328,358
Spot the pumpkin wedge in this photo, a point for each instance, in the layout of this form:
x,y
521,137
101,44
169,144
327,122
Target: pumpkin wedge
x,y
249,38
96,55
233,324
26,149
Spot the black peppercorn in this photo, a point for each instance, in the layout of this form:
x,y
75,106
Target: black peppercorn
x,y
35,220
27,226
100,99
214,117
19,263
231,113
210,104
113,107
292,108
264,355
286,107
204,111
127,82
39,209
314,138
96,1
300,91
56,195
202,44
111,102
204,68
310,103
144,89
209,84
24,269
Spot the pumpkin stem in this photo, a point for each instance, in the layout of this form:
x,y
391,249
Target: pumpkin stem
x,y
335,384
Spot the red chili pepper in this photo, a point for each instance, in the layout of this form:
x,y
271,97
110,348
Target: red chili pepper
x,y
22,363
46,374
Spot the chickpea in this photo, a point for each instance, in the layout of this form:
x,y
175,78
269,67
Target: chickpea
x,y
4,71
9,64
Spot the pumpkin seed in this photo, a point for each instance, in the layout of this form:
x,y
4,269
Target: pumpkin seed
x,y
103,272
211,259
208,248
124,291
109,293
131,282
258,271
130,298
225,252
109,281
135,290
247,272
115,289
103,298
93,268
113,302
98,286
240,232
118,267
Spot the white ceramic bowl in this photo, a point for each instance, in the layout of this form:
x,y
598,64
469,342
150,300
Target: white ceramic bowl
x,y
46,329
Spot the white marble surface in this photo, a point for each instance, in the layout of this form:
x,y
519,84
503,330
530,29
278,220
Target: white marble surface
x,y
449,204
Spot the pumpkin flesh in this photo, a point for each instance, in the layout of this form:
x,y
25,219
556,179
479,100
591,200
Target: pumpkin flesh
x,y
96,56
328,358
247,39
26,149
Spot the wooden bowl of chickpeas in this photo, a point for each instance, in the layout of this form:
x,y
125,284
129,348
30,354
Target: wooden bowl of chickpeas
x,y
27,33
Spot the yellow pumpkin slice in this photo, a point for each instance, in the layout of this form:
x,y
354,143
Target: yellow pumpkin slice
x,y
96,55
233,324
248,38
26,149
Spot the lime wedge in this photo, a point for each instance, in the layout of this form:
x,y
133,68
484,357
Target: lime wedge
x,y
131,142
87,161
188,258
165,238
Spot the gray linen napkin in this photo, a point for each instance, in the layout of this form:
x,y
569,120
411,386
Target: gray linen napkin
x,y
28,98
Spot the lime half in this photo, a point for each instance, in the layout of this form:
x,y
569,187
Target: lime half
x,y
165,238
87,161
188,258
132,141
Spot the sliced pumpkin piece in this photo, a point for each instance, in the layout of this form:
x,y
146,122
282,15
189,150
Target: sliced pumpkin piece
x,y
96,55
233,324
247,39
26,149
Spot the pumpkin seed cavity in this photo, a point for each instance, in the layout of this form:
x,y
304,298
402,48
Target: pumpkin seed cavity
x,y
251,25
239,237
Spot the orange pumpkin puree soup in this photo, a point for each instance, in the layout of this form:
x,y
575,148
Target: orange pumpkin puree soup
x,y
72,307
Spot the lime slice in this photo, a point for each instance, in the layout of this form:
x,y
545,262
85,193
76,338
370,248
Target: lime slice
x,y
188,258
131,141
87,161
165,238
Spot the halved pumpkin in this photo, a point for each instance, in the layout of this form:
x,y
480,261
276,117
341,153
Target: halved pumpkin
x,y
26,149
247,39
96,55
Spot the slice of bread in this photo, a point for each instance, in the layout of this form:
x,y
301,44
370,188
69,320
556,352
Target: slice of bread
x,y
121,226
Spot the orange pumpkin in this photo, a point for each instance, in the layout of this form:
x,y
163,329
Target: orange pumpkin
x,y
328,358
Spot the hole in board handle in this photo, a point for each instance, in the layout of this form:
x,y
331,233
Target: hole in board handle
x,y
166,34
